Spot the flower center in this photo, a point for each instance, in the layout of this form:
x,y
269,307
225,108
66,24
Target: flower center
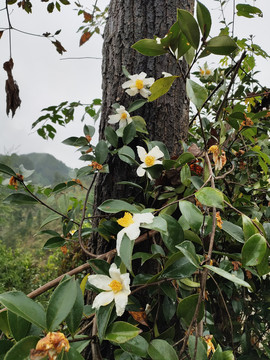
x,y
123,115
116,286
207,72
149,160
202,72
139,84
126,220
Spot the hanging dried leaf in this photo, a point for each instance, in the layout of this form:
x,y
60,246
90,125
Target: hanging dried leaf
x,y
13,100
59,47
139,316
1,33
85,37
87,16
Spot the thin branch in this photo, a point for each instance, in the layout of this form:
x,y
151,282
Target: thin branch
x,y
82,58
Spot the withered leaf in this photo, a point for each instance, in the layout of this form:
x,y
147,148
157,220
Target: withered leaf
x,y
1,33
13,100
87,16
59,47
85,37
195,150
140,317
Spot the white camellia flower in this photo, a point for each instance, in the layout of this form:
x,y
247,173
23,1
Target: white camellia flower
x,y
121,116
115,286
148,159
205,72
138,84
131,226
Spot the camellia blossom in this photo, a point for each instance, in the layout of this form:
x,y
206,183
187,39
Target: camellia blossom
x,y
115,286
138,84
219,157
121,116
148,159
131,226
51,345
205,72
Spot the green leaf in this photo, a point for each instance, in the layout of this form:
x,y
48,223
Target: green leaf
x,y
190,235
103,317
99,266
127,155
76,141
20,199
21,305
6,170
158,224
210,197
188,250
185,158
189,27
248,10
89,130
126,249
254,250
111,136
175,233
61,303
54,242
233,230
19,326
120,332
263,268
185,175
191,214
161,87
186,309
178,267
248,228
72,354
204,19
21,350
4,325
201,353
114,206
221,45
161,350
149,47
137,346
228,276
5,345
137,104
101,152
74,317
49,219
196,93
129,133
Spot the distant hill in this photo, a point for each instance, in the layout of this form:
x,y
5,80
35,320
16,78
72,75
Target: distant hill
x,y
48,170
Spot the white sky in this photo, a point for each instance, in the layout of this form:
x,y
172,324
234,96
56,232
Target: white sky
x,y
44,79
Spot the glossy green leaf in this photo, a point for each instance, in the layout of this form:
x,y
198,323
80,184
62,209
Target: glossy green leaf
x,y
61,302
263,268
129,133
185,158
201,353
175,233
186,309
196,93
161,87
137,104
204,19
76,141
74,317
210,197
191,214
248,228
190,235
4,325
161,350
23,306
221,45
103,317
228,276
126,249
6,170
254,250
5,345
178,267
72,354
120,332
49,219
115,206
137,346
158,224
188,250
140,124
101,152
189,27
99,266
21,350
20,199
248,11
89,130
149,47
54,242
233,230
127,155
111,136
19,327
185,175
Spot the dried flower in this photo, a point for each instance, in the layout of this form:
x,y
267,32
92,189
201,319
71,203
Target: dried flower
x,y
219,221
219,157
51,345
96,166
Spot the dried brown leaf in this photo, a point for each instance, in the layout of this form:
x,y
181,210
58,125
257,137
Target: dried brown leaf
x,y
13,100
139,316
85,37
87,17
1,33
59,47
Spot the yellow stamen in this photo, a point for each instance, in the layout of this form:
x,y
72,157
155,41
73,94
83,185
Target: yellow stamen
x,y
139,84
126,220
124,116
116,286
207,72
149,160
202,72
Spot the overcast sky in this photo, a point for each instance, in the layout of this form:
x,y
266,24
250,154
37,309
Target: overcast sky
x,y
45,78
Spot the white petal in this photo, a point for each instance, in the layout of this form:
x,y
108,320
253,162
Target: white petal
x,y
145,93
113,119
140,171
121,300
157,162
119,239
127,84
146,218
132,92
121,109
156,152
148,82
141,153
141,76
102,299
100,281
122,123
115,273
133,231
125,280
